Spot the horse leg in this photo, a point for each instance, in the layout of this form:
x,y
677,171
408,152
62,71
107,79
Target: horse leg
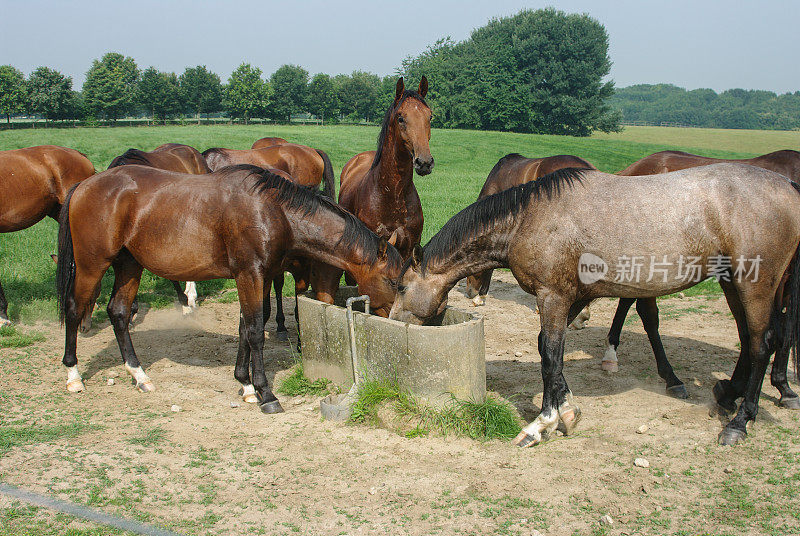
x,y
727,391
610,362
78,302
280,331
778,379
648,312
4,321
484,280
242,370
183,299
127,273
763,327
251,301
580,320
191,294
557,400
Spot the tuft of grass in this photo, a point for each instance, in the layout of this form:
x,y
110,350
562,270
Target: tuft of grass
x,y
11,338
14,435
152,437
492,418
297,384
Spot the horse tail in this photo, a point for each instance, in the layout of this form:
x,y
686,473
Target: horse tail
x,y
790,341
65,269
328,179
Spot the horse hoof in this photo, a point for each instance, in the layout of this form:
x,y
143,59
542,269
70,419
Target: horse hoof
x,y
4,322
524,439
282,336
75,386
478,301
146,387
571,418
609,366
678,391
186,310
271,407
790,403
731,436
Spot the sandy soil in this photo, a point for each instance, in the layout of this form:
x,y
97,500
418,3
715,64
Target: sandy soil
x,y
216,469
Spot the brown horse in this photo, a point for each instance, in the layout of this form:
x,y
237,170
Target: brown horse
x,y
512,170
307,167
240,223
33,184
564,246
785,162
268,142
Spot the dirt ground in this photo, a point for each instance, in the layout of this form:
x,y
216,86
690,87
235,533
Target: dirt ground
x,y
212,468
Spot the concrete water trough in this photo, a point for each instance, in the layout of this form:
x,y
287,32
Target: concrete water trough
x,y
431,362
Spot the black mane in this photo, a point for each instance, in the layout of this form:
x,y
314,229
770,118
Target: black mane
x,y
131,156
486,212
408,93
309,202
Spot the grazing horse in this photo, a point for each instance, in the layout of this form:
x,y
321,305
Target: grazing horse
x,y
268,142
33,184
785,162
307,167
512,170
240,223
562,245
169,157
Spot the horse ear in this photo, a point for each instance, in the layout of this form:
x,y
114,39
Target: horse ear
x,y
383,245
393,239
416,256
398,92
423,86
55,258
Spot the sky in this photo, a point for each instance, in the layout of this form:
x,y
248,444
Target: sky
x,y
702,43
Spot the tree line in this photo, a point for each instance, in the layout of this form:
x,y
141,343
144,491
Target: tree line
x,y
115,87
734,108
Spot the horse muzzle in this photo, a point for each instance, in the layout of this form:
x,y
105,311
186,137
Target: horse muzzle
x,y
423,166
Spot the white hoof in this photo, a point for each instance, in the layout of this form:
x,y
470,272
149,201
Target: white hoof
x,y
610,362
191,294
74,380
186,310
142,380
249,394
477,301
146,387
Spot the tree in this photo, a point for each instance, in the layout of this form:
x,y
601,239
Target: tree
x,y
110,87
358,95
322,99
13,92
246,94
50,94
202,90
289,86
160,94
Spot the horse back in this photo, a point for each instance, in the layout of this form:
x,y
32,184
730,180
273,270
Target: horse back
x,y
515,169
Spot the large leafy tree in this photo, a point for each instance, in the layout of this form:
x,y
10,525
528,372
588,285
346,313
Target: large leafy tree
x,y
160,94
13,92
50,94
246,94
289,91
322,99
202,90
111,85
538,71
358,95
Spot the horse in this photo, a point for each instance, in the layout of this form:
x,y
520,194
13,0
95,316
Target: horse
x,y
307,167
33,184
785,162
512,170
240,222
169,157
559,240
268,142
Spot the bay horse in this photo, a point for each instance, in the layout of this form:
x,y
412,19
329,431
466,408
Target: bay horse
x,y
33,184
546,231
169,157
268,142
785,162
240,222
307,167
512,170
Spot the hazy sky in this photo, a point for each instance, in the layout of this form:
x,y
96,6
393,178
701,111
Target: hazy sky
x,y
716,44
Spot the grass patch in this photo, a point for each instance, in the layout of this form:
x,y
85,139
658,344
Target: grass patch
x,y
14,435
493,418
11,338
151,438
297,384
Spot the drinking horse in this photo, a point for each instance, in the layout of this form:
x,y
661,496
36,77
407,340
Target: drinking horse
x,y
546,230
785,162
240,223
307,167
33,184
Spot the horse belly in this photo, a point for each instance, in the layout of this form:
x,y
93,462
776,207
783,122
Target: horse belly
x,y
23,202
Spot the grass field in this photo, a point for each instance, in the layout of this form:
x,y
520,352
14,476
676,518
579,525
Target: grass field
x,y
463,159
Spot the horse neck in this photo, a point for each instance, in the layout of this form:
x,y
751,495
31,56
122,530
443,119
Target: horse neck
x,y
394,173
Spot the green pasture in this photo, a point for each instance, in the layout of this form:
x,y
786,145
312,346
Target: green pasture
x,y
463,159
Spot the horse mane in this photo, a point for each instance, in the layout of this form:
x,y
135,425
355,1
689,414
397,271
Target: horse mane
x,y
408,93
131,156
309,202
487,212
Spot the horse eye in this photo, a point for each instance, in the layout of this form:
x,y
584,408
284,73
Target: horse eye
x,y
401,288
400,119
